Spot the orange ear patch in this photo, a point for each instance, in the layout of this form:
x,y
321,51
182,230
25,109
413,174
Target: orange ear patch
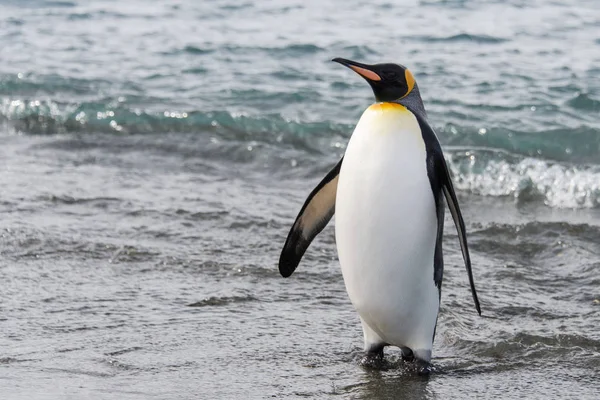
x,y
366,73
410,81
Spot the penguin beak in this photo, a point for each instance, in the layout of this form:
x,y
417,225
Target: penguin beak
x,y
363,70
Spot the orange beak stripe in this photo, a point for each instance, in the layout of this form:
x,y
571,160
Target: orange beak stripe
x,y
365,73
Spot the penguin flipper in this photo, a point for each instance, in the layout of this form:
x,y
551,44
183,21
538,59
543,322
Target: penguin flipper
x,y
440,176
314,215
452,201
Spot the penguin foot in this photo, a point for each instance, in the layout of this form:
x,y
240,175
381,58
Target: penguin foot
x,y
373,359
423,368
419,360
407,354
370,362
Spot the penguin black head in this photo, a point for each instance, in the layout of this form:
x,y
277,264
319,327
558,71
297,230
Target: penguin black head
x,y
390,82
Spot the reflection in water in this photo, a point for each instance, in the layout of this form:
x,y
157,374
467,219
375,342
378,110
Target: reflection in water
x,y
400,382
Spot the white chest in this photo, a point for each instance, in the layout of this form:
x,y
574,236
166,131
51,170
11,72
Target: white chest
x,y
386,222
384,169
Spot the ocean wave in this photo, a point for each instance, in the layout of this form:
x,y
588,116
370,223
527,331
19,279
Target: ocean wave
x,y
560,168
533,346
584,102
461,37
222,300
580,144
30,85
494,173
196,50
119,115
46,117
356,52
288,51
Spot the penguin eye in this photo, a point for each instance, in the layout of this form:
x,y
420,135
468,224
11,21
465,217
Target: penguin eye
x,y
389,75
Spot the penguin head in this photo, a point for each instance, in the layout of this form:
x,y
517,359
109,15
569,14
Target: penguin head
x,y
390,82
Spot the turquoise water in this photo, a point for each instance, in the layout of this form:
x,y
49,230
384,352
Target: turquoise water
x,y
154,154
520,78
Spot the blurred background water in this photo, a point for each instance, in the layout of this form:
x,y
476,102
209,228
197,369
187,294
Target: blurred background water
x,y
153,156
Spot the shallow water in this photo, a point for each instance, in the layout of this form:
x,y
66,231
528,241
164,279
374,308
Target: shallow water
x,y
153,157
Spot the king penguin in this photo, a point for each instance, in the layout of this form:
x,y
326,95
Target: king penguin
x,y
387,193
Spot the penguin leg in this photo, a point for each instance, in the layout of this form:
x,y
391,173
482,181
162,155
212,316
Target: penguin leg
x,y
374,345
423,355
422,359
407,354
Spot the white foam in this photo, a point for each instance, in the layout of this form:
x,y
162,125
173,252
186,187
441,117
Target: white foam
x,y
558,185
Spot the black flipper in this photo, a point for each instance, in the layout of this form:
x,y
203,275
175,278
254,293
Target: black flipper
x,y
439,176
316,212
461,230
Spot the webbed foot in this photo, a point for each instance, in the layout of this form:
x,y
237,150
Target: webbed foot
x,y
423,368
407,354
373,358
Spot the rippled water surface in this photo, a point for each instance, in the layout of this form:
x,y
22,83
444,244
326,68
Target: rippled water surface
x,y
154,154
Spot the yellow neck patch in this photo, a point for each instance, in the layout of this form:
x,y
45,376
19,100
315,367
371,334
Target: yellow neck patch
x,y
388,119
382,107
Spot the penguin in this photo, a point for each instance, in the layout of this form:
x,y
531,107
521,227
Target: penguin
x,y
387,193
